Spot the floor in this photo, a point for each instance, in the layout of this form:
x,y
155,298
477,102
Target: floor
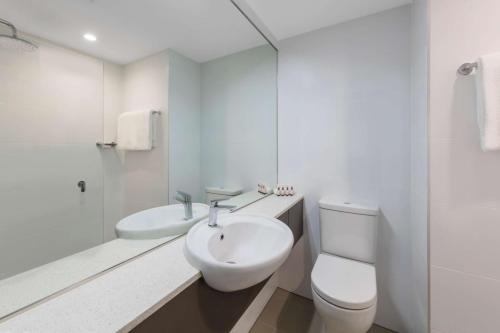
x,y
288,313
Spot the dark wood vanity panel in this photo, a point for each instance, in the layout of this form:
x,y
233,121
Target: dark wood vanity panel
x,y
294,219
284,217
200,308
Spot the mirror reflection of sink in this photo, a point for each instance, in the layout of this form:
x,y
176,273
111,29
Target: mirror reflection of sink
x,y
240,252
159,222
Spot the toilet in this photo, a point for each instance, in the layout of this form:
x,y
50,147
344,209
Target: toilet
x,y
343,281
220,193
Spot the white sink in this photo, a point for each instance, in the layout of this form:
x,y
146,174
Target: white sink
x,y
159,222
240,252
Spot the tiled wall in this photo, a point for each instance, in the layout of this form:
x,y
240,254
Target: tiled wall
x,y
344,130
54,105
464,181
50,118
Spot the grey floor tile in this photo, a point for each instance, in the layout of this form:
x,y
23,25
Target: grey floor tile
x,y
379,329
260,327
289,313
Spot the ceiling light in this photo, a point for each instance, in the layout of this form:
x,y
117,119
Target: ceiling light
x,y
90,37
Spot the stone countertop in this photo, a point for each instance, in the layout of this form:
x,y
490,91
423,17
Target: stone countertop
x,y
121,298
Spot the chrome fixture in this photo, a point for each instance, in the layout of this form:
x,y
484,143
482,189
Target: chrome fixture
x,y
467,68
214,209
13,41
185,199
106,144
82,185
113,144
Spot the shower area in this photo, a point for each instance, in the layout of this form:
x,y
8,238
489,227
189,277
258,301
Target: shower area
x,y
51,184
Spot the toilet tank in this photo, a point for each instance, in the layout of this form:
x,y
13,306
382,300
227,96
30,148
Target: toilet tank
x,y
219,193
348,230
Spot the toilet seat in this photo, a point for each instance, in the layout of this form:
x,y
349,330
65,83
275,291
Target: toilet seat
x,y
345,283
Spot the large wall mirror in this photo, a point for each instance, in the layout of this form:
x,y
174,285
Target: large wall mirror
x,y
123,113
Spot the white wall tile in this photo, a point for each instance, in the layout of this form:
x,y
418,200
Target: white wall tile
x,y
465,238
464,181
463,303
50,117
52,96
461,174
44,216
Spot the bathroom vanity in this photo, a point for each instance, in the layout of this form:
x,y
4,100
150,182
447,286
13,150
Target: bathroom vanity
x,y
158,291
200,308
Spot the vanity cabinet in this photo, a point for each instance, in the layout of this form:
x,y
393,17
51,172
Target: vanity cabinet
x,y
199,308
294,218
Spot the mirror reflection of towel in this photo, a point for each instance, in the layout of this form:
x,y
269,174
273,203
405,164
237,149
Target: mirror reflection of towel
x,y
488,101
135,130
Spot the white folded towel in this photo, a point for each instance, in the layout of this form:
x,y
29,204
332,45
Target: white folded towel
x,y
488,101
135,131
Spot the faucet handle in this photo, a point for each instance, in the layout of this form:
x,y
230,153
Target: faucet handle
x,y
215,204
183,196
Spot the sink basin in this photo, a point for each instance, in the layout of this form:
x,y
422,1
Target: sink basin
x,y
240,252
159,222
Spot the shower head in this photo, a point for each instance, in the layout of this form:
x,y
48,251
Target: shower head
x,y
14,42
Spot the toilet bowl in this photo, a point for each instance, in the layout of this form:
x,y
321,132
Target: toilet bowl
x,y
344,294
343,279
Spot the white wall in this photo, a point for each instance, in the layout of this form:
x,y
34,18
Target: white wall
x,y
344,130
238,116
146,172
112,165
419,170
134,181
184,98
50,117
464,181
54,105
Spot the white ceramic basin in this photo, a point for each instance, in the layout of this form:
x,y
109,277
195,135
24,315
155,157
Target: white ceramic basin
x,y
240,252
159,222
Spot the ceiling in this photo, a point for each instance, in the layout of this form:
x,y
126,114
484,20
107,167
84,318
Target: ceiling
x,y
128,30
287,18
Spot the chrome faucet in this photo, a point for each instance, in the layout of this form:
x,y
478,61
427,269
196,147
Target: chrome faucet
x,y
185,199
214,209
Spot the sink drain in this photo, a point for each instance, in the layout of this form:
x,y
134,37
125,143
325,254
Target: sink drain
x,y
230,262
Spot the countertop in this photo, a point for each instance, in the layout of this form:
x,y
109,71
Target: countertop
x,y
121,298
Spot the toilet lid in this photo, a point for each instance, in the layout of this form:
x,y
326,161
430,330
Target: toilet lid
x,y
345,283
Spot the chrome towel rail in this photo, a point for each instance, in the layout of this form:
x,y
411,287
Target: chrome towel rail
x,y
114,144
106,144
